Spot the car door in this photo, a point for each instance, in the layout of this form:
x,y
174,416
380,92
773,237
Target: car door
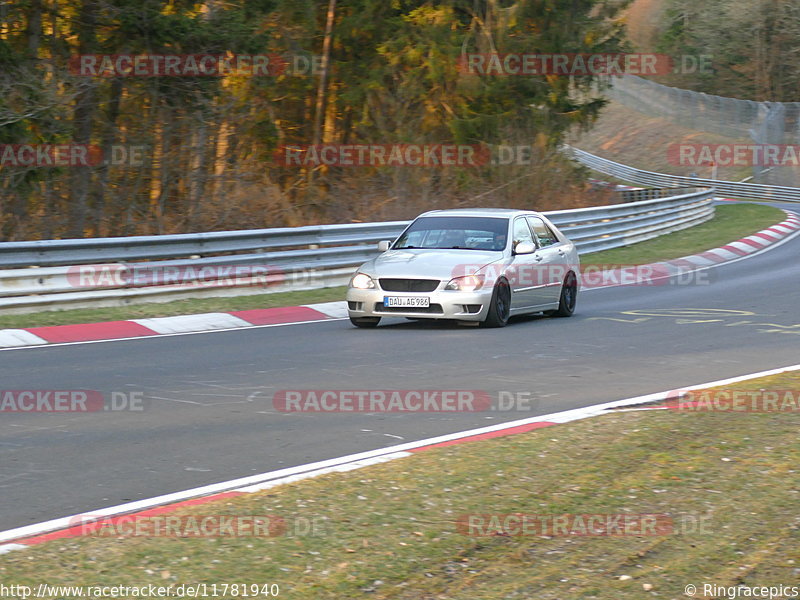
x,y
524,276
553,261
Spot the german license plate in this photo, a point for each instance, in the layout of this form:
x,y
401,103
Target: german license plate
x,y
407,301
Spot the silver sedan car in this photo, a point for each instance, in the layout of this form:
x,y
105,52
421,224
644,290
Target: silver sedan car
x,y
478,265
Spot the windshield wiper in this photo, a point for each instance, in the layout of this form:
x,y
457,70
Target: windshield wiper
x,y
465,248
438,248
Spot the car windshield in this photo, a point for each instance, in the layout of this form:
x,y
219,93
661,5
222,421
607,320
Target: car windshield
x,y
462,233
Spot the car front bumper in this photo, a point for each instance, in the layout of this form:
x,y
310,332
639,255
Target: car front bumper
x,y
444,304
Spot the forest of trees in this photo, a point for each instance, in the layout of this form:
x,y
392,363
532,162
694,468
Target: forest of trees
x,y
204,148
205,145
755,46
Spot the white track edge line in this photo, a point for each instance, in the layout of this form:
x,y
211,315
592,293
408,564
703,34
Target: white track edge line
x,y
157,336
754,253
233,485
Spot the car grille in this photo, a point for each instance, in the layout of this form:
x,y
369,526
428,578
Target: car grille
x,y
409,285
433,309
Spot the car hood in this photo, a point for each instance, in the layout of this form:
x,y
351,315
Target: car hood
x,y
429,263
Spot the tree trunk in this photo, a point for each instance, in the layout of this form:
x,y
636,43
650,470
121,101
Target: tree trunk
x,y
319,108
83,117
109,137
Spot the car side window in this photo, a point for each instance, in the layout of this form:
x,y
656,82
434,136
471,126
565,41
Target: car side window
x,y
543,232
521,233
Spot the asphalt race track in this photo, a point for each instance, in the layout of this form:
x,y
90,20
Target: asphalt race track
x,y
209,414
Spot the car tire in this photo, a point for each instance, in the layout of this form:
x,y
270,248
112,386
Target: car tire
x,y
365,321
499,307
568,298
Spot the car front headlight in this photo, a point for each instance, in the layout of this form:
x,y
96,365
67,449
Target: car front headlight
x,y
468,283
360,281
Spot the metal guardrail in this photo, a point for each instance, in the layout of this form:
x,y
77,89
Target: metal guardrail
x,y
157,247
733,189
62,274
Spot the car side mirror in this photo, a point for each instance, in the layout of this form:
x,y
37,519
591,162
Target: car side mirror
x,y
383,245
524,248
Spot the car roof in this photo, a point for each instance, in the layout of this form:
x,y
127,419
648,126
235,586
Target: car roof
x,y
478,212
